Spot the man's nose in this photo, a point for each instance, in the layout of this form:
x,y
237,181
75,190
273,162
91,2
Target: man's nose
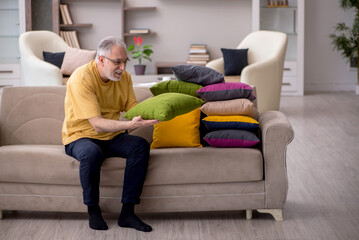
x,y
122,66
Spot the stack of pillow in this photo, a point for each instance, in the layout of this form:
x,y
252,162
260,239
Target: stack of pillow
x,y
177,104
230,115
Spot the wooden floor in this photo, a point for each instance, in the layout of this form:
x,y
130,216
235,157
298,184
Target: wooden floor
x,y
323,199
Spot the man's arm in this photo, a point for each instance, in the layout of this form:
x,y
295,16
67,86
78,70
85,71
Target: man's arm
x,y
101,124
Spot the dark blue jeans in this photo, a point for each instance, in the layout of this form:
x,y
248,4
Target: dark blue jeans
x,y
92,152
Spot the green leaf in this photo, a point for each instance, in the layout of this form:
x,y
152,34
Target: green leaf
x,y
137,54
345,39
147,46
147,52
130,48
149,59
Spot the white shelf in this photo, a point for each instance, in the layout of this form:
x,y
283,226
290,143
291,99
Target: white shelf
x,y
289,20
10,30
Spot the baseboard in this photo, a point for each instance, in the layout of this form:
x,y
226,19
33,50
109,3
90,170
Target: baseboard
x,y
331,87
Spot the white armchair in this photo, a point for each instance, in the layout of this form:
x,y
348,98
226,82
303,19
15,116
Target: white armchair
x,y
35,71
265,66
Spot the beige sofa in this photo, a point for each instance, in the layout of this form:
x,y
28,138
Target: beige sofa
x,y
37,175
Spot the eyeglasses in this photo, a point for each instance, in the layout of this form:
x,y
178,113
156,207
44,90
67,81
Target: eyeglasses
x,y
117,62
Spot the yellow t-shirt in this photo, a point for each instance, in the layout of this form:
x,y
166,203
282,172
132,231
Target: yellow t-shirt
x,y
88,96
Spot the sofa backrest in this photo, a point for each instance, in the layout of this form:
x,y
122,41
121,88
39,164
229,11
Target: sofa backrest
x,y
34,114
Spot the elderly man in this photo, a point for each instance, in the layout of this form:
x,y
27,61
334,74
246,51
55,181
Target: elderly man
x,y
96,95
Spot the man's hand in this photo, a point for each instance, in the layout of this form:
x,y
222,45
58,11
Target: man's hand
x,y
139,122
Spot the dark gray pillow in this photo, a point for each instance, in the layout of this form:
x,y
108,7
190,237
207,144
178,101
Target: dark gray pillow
x,y
234,60
197,74
54,58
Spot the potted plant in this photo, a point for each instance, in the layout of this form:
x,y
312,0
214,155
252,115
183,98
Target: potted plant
x,y
347,39
138,52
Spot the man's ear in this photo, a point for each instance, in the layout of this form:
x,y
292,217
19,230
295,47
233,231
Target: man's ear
x,y
101,60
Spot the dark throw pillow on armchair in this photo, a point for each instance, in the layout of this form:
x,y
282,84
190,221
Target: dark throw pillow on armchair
x,y
54,58
234,60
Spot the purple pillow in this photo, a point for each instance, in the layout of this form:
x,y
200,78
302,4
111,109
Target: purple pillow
x,y
231,138
226,91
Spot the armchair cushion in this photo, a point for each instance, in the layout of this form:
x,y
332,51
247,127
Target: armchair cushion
x,y
197,74
234,60
74,58
231,138
54,58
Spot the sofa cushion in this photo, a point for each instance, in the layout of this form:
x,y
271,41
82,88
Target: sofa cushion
x,y
230,122
49,164
204,165
164,107
182,131
241,106
37,164
175,86
226,91
231,138
197,74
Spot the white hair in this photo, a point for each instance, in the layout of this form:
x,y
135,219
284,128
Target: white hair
x,y
106,44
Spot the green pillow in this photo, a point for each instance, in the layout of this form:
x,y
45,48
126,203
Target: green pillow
x,y
175,86
165,106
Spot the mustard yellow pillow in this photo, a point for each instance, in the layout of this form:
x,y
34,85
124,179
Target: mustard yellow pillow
x,y
181,131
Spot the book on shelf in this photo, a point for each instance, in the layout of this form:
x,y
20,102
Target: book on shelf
x,y
70,37
202,63
139,30
65,14
198,45
198,48
75,39
277,3
198,54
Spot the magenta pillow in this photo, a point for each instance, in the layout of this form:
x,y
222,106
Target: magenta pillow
x,y
226,91
231,138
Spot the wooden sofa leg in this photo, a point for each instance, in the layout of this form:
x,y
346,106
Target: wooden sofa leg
x,y
249,215
276,213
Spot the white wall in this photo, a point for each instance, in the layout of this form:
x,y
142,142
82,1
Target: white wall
x,y
177,24
105,17
218,24
324,68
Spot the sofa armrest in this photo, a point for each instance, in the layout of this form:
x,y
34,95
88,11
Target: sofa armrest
x,y
276,133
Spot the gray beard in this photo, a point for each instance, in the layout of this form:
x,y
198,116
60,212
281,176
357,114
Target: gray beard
x,y
112,78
